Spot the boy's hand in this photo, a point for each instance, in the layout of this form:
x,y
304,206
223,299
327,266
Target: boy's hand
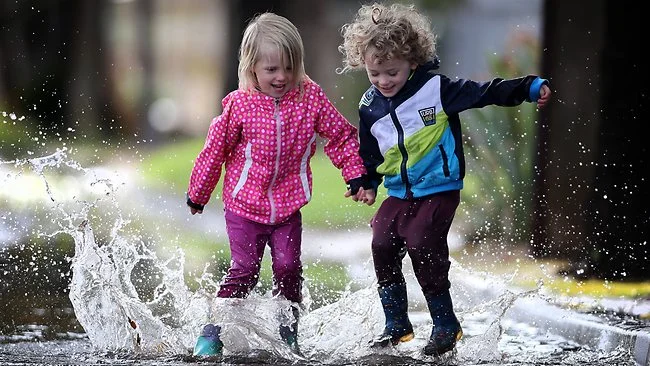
x,y
544,96
368,196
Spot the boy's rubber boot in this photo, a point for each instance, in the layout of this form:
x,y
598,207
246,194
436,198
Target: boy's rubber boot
x,y
398,326
446,327
289,334
209,343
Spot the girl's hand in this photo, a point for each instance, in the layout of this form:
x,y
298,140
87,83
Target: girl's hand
x,y
194,207
544,96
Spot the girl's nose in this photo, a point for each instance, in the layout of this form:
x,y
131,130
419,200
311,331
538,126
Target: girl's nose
x,y
282,75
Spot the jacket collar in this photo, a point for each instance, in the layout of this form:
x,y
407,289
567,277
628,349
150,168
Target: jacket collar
x,y
414,77
264,98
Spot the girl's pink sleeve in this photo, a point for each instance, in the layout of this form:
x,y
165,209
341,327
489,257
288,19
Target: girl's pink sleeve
x,y
342,146
222,137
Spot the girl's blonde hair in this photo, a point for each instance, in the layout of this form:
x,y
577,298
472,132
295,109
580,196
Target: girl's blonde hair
x,y
394,31
273,30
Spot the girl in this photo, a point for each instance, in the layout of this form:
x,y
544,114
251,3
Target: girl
x,y
265,138
410,138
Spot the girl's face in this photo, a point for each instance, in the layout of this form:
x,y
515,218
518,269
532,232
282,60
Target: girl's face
x,y
274,77
388,76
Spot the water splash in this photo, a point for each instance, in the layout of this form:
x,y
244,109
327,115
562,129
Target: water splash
x,y
117,316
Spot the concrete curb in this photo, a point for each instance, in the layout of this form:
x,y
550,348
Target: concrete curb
x,y
584,329
642,347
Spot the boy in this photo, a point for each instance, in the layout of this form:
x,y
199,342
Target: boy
x,y
410,137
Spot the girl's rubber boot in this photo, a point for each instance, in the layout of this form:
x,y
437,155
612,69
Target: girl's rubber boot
x,y
289,334
209,343
398,326
446,330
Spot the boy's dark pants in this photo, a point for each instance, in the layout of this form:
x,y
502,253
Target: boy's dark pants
x,y
247,242
420,226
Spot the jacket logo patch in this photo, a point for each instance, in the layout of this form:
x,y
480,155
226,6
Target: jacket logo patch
x,y
366,99
428,116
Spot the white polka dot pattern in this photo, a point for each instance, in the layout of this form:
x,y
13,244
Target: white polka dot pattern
x,y
264,148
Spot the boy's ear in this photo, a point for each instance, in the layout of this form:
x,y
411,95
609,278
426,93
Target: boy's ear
x,y
414,65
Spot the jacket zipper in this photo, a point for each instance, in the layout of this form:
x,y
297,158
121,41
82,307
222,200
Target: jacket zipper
x,y
402,148
278,144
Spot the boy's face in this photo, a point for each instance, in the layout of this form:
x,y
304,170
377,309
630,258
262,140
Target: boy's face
x,y
388,76
274,76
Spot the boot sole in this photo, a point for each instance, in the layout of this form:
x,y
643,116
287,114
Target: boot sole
x,y
393,341
437,352
405,338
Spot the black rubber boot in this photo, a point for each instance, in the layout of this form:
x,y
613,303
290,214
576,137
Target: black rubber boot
x,y
398,326
446,327
289,334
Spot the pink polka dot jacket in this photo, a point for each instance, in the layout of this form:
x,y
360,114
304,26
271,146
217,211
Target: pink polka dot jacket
x,y
265,145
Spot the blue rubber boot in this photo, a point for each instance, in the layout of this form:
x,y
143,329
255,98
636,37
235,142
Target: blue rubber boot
x,y
209,343
446,327
398,326
289,334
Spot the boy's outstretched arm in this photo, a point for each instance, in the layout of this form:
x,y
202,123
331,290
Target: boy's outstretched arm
x,y
544,96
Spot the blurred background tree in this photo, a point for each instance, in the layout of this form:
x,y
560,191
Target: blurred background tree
x,y
592,163
54,68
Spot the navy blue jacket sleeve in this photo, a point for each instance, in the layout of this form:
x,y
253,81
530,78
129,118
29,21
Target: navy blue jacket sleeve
x,y
463,94
369,152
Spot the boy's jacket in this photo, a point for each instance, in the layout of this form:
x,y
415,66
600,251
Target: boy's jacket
x,y
266,145
413,139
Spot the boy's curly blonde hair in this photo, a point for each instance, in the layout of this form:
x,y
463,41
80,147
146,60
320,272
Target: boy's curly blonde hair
x,y
396,30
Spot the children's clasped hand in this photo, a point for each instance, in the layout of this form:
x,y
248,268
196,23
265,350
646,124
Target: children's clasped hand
x,y
358,192
366,196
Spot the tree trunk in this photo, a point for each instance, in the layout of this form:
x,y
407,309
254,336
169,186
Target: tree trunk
x,y
619,217
52,65
592,164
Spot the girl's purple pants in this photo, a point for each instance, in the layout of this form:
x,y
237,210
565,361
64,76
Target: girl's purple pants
x,y
248,240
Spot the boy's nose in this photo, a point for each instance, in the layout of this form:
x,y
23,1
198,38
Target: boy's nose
x,y
383,81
